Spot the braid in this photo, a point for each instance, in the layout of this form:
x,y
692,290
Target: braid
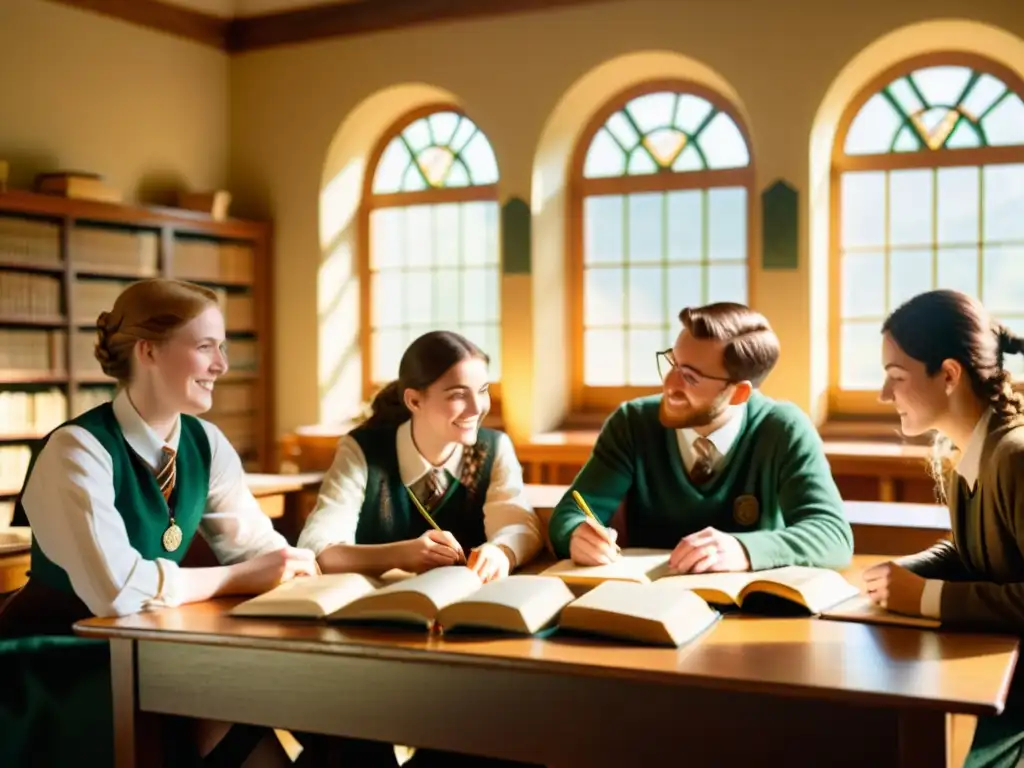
x,y
1006,404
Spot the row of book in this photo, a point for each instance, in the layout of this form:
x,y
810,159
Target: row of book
x,y
91,297
14,461
213,262
638,598
29,241
34,297
33,350
31,413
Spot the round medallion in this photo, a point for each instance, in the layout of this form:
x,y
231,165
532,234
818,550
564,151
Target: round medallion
x,y
745,510
172,537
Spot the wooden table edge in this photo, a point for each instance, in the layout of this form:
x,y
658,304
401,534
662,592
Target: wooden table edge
x,y
541,666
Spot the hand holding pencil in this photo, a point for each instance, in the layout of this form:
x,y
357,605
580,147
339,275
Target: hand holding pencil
x,y
592,543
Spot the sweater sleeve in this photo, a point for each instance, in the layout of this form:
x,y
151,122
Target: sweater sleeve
x,y
816,531
940,561
988,605
603,482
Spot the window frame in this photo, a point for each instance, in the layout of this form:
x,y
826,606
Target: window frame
x,y
586,399
371,201
864,404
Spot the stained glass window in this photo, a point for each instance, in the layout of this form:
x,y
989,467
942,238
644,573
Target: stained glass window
x,y
433,241
931,195
651,246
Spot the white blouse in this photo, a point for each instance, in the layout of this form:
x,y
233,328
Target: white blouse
x,y
509,518
69,502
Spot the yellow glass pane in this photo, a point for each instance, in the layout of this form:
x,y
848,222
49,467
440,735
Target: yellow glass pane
x,y
665,145
935,125
435,163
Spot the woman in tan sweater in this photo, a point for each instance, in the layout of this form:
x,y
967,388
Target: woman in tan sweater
x,y
943,360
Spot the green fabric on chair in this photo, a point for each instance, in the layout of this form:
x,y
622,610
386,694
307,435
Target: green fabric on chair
x,y
55,702
999,741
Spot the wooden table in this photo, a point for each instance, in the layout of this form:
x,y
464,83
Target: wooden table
x,y
752,691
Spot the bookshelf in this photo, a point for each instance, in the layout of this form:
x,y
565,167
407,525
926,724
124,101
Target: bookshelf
x,y
64,260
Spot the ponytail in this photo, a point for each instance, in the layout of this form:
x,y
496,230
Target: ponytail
x,y
1006,403
388,407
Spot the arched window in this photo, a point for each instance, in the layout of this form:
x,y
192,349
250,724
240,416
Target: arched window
x,y
661,219
431,251
928,192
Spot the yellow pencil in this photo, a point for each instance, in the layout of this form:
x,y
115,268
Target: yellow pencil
x,y
586,510
422,510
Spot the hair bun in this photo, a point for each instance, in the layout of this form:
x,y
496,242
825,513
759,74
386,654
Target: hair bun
x,y
1009,342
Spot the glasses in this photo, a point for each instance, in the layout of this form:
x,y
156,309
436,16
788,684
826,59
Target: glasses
x,y
667,363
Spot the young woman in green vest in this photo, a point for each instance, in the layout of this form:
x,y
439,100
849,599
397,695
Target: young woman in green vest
x,y
944,371
115,497
424,446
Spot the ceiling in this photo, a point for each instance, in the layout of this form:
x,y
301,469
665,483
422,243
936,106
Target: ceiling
x,y
236,8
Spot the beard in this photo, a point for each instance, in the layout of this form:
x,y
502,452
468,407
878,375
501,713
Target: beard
x,y
692,417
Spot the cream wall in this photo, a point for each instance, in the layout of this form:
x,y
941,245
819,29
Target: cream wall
x,y
86,92
512,74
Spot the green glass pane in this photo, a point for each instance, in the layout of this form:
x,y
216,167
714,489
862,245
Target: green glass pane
x,y
641,163
1004,125
905,96
691,112
942,84
463,134
623,130
723,144
964,136
652,110
689,160
390,168
417,135
983,94
604,157
907,140
442,126
479,159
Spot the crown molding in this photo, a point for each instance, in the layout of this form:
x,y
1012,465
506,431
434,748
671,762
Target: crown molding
x,y
302,25
203,28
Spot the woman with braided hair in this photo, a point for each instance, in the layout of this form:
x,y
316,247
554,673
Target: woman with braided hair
x,y
943,360
114,497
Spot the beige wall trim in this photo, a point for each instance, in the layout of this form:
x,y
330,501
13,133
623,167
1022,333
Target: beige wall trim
x,y
305,24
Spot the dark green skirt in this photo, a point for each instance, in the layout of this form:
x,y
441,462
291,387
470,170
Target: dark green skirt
x,y
55,702
999,741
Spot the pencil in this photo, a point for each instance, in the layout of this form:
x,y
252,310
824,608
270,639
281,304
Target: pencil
x,y
423,511
586,510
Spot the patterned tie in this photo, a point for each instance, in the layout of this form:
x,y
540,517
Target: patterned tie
x,y
430,489
701,470
167,474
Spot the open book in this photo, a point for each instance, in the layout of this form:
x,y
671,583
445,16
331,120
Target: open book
x,y
640,612
862,609
448,597
811,589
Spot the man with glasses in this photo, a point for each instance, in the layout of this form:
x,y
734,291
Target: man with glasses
x,y
726,477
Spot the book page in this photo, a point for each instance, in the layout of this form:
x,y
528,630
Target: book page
x,y
521,602
862,609
640,612
308,596
422,595
816,588
719,588
634,564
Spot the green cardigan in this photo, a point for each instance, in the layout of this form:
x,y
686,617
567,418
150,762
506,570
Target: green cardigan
x,y
774,489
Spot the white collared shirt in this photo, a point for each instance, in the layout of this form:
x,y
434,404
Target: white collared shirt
x,y
69,501
509,518
722,439
969,467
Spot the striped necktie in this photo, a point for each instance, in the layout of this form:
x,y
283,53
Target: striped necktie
x,y
701,470
430,489
168,473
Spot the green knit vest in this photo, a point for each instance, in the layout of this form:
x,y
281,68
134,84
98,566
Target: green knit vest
x,y
388,513
137,495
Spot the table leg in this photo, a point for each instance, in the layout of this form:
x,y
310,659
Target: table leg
x,y
136,734
923,739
